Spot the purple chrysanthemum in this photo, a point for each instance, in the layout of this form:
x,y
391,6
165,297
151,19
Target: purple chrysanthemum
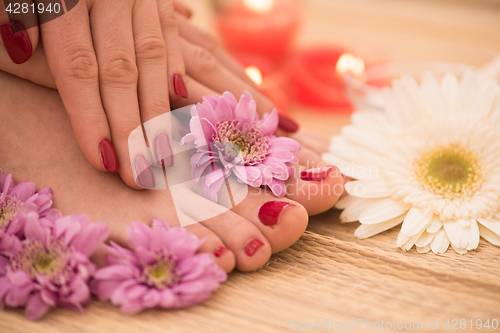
x,y
229,137
52,266
17,203
163,270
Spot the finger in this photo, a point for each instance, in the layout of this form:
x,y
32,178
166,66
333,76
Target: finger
x,y
18,29
206,69
36,70
183,9
199,37
175,61
311,140
118,79
151,57
71,58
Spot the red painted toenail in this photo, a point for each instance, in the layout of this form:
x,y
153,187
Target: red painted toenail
x,y
220,251
270,212
252,247
317,174
108,156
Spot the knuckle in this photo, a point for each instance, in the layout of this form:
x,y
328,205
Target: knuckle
x,y
124,128
80,63
151,48
205,61
207,40
167,15
119,67
157,106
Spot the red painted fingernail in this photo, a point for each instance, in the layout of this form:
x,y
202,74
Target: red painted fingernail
x,y
252,247
179,86
270,212
287,124
220,251
16,41
108,156
316,174
145,176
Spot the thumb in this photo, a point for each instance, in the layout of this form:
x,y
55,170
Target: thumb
x,y
18,29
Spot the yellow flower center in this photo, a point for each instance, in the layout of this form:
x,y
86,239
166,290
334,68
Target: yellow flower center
x,y
43,262
161,274
50,261
451,170
8,211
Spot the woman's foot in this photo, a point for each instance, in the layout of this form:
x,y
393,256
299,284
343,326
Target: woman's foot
x,y
38,145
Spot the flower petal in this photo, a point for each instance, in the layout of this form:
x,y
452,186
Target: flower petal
x,y
90,237
224,110
489,235
473,241
24,190
36,308
354,207
458,235
286,143
382,211
431,93
139,235
440,242
8,184
34,230
425,239
494,226
435,225
415,221
368,188
368,230
269,123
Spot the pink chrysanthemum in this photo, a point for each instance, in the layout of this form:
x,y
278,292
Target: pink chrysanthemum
x,y
17,203
163,270
52,267
229,137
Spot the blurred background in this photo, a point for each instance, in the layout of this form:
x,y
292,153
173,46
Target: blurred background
x,y
301,52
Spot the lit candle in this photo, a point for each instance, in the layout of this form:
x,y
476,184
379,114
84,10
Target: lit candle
x,y
269,79
316,76
263,27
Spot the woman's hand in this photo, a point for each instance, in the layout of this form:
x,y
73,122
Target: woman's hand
x,y
115,64
209,71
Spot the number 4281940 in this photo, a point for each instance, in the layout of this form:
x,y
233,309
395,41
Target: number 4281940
x,y
24,8
455,324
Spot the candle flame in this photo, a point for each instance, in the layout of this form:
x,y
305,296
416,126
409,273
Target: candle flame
x,y
350,63
254,74
259,6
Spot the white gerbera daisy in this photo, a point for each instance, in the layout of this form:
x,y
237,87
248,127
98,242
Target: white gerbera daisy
x,y
430,161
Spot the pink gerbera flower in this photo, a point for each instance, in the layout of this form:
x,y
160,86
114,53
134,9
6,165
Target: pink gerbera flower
x,y
163,270
52,267
229,137
17,202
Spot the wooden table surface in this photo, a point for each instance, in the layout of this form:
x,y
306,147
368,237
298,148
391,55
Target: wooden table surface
x,y
328,276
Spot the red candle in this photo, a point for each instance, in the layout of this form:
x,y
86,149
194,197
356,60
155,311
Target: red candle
x,y
317,75
264,27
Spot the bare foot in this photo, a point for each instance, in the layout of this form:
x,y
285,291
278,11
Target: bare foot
x,y
38,145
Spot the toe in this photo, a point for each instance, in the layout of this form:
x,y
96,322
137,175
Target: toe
x,y
282,221
250,247
224,257
317,189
